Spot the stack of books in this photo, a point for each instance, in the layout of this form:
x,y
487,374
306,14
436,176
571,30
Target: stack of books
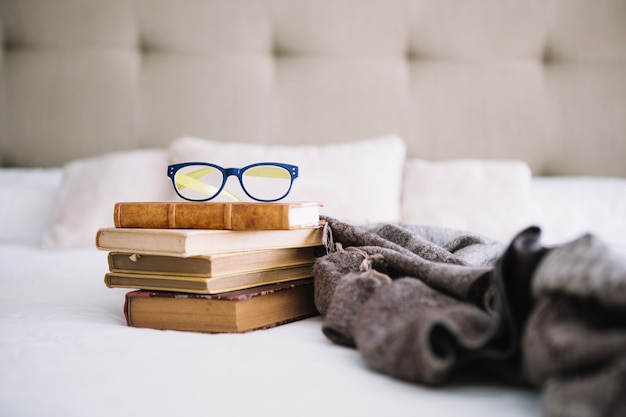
x,y
211,266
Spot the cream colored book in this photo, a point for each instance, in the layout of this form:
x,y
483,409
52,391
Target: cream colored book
x,y
197,242
214,285
211,265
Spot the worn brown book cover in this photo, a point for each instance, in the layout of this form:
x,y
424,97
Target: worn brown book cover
x,y
212,265
232,312
197,242
214,285
216,215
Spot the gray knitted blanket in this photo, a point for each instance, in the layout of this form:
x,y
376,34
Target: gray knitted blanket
x,y
426,304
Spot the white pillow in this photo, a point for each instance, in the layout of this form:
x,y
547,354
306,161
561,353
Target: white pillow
x,y
358,181
27,198
92,186
489,197
567,207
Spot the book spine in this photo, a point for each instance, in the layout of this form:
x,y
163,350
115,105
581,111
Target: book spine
x,y
225,216
172,215
142,241
260,217
126,309
128,303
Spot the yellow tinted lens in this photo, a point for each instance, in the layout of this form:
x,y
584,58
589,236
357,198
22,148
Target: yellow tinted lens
x,y
198,182
266,182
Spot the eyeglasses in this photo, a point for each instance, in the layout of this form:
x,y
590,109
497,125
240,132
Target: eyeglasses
x,y
263,181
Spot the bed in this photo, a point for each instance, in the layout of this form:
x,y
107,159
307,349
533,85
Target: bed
x,y
483,116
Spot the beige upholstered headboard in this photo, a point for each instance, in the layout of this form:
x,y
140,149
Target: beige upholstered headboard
x,y
539,80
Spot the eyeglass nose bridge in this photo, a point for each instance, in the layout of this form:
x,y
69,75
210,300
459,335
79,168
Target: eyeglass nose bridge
x,y
231,171
234,172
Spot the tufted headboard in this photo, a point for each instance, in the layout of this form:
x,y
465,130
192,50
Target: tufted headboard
x,y
539,80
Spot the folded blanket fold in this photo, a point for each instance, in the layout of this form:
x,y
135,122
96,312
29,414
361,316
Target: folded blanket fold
x,y
423,303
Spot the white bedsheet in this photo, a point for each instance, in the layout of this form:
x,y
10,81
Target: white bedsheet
x,y
65,350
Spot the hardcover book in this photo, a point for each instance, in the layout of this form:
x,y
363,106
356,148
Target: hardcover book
x,y
217,215
207,285
197,242
211,265
232,312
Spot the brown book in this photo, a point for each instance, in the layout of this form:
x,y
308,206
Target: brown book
x,y
232,312
211,265
198,242
217,215
213,285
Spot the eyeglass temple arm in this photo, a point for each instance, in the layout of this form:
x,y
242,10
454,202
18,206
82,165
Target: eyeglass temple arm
x,y
190,180
269,172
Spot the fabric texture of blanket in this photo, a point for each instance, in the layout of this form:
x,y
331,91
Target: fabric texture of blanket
x,y
425,304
